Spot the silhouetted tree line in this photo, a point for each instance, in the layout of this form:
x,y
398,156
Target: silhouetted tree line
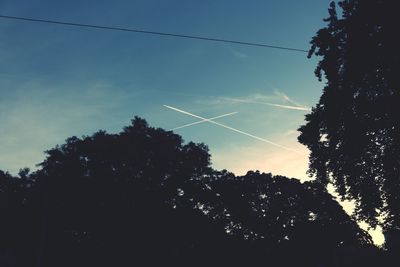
x,y
143,198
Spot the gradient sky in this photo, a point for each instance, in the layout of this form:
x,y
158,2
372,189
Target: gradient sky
x,y
59,81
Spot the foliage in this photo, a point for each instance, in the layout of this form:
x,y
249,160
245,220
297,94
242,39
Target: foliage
x,y
142,197
354,131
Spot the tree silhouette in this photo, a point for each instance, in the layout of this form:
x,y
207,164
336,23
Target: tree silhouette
x,y
19,220
109,194
277,216
143,197
354,131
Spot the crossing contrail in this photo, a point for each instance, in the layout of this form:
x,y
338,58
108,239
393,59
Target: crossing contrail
x,y
235,130
202,121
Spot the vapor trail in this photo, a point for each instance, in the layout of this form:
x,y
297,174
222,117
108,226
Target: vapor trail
x,y
205,120
270,104
288,99
290,107
235,130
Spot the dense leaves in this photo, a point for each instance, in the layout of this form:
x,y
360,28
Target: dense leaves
x,y
142,197
354,131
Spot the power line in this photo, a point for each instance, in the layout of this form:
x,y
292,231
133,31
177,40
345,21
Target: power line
x,y
57,22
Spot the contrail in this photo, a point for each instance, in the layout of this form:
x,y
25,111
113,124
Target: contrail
x,y
235,130
286,106
205,120
270,104
288,99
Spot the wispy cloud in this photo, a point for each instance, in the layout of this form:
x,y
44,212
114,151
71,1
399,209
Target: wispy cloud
x,y
291,132
238,54
289,100
278,100
238,100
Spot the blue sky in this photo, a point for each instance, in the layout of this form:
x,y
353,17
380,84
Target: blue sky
x,y
59,81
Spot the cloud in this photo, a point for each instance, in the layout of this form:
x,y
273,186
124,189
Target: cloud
x,y
291,132
237,53
278,100
287,99
238,100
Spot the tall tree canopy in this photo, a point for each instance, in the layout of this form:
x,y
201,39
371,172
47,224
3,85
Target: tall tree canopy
x,y
354,131
142,197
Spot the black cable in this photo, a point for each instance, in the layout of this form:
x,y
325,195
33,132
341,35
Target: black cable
x,y
152,32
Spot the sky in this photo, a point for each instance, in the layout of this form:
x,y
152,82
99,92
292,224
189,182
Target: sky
x,y
59,81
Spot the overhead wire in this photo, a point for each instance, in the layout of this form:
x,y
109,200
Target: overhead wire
x,y
195,37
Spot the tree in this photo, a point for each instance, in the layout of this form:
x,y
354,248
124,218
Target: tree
x,y
354,131
108,199
143,197
276,216
19,219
